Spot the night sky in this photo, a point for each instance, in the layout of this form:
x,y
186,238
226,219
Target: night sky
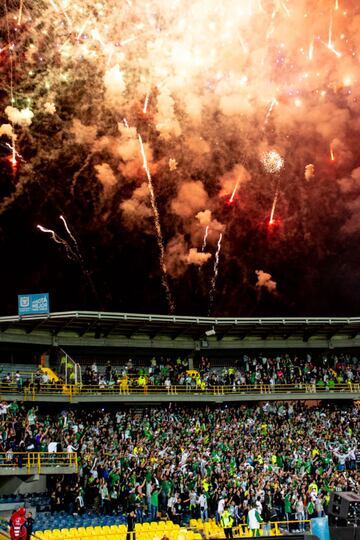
x,y
79,86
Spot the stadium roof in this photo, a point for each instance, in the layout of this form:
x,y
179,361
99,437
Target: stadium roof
x,y
89,328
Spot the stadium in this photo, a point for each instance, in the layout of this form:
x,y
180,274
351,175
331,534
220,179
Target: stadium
x,y
179,298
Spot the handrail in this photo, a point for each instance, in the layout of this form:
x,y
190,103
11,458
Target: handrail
x,y
37,461
124,389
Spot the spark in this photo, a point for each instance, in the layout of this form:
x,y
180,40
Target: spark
x,y
205,239
54,6
14,153
272,161
159,235
332,49
126,123
271,220
270,109
20,11
54,236
311,49
285,8
146,102
81,31
330,30
336,5
332,155
69,251
80,259
215,275
68,231
234,190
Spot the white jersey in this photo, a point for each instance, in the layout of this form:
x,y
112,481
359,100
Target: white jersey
x,y
253,522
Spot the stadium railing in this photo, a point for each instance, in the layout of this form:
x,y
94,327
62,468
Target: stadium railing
x,y
34,391
37,462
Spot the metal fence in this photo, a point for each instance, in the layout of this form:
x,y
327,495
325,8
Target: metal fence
x,y
34,391
37,462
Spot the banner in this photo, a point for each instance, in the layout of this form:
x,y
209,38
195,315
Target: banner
x,y
320,527
31,304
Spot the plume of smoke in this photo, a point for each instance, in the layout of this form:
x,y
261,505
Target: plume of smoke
x,y
265,280
49,107
6,130
136,210
176,253
309,172
179,256
350,188
106,176
172,164
213,228
22,118
191,197
114,86
198,258
166,122
204,218
83,134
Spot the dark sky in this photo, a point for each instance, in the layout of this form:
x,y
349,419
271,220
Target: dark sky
x,y
311,251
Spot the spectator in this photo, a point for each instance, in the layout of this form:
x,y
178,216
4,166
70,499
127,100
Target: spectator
x,y
29,525
18,525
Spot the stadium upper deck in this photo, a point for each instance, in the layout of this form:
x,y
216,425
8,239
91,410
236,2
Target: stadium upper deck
x,y
98,329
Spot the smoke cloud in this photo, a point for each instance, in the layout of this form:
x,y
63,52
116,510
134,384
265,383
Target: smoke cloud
x,y
265,280
22,118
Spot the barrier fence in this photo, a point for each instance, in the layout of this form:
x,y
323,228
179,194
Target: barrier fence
x,y
37,462
127,388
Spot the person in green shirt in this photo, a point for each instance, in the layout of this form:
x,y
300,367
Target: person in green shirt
x,y
154,503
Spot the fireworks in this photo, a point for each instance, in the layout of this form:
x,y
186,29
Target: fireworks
x,y
272,162
203,247
211,84
215,274
332,154
272,213
234,191
73,253
159,236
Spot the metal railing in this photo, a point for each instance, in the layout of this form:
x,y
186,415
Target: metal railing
x,y
34,391
36,462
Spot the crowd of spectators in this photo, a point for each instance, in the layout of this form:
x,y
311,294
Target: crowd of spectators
x,y
284,458
263,371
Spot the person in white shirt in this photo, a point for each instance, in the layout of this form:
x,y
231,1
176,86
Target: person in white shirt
x,y
253,520
220,508
300,513
52,447
203,504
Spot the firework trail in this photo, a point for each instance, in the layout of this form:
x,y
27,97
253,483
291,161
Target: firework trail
x,y
146,102
69,251
73,254
332,155
54,236
234,191
159,236
271,220
269,111
216,271
205,239
80,260
69,232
